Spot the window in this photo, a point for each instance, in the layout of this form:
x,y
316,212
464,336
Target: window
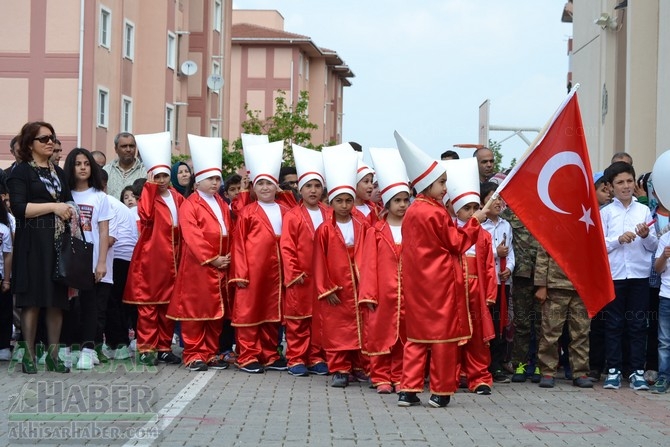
x,y
105,27
214,131
169,119
171,50
126,114
307,69
300,62
103,107
129,40
217,15
216,70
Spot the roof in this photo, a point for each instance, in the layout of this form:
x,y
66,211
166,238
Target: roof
x,y
250,31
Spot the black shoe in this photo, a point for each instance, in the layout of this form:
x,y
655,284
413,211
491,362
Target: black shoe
x,y
28,367
253,368
582,382
217,364
169,358
340,380
547,382
56,365
197,365
483,390
278,365
408,399
463,382
439,401
500,377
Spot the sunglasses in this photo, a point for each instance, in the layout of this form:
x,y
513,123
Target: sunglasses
x,y
44,139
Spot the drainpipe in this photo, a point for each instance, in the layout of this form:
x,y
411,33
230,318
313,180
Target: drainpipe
x,y
80,82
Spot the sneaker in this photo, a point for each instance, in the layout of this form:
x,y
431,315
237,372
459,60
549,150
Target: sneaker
x,y
650,376
537,376
298,370
197,365
483,390
547,382
122,353
519,375
358,376
500,377
637,381
92,353
582,382
65,354
278,365
384,389
613,379
148,359
169,358
5,354
86,360
217,364
661,386
340,380
439,401
230,357
253,368
320,369
408,399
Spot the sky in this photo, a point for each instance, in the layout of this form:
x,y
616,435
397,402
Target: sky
x,y
424,67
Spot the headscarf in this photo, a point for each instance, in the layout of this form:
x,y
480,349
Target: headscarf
x,y
175,179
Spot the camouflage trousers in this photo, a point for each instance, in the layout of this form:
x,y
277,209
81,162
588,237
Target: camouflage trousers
x,y
527,319
561,306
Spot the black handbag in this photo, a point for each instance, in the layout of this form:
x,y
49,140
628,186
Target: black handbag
x,y
74,262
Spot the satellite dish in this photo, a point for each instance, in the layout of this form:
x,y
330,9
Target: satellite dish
x,y
189,67
215,82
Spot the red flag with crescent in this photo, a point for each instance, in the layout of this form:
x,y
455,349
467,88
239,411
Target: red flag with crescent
x,y
551,190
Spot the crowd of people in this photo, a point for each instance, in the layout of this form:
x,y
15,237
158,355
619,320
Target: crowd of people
x,y
393,274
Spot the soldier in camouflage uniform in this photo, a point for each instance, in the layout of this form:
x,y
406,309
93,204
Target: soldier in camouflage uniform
x,y
560,304
527,310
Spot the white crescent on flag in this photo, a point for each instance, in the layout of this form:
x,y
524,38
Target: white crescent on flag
x,y
552,165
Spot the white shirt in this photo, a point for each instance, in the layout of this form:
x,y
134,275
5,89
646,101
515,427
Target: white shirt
x,y
347,230
123,227
665,275
216,209
396,231
93,209
500,231
317,217
628,261
364,209
273,212
5,247
12,222
169,201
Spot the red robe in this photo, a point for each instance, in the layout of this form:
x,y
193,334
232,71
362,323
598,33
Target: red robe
x,y
256,261
297,246
336,272
201,289
436,309
482,286
373,217
153,267
381,285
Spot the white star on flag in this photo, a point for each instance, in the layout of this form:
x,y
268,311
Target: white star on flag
x,y
586,218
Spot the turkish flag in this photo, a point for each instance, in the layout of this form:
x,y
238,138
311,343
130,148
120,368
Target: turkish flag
x,y
551,190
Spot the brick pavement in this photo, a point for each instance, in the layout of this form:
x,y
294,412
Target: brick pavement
x,y
275,409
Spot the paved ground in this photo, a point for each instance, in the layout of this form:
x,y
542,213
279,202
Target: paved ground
x,y
175,407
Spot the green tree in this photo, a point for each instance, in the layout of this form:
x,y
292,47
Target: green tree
x,y
496,148
290,124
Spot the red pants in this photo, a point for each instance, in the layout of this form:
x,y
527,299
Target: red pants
x,y
443,368
475,357
258,343
299,347
386,369
201,339
154,329
346,361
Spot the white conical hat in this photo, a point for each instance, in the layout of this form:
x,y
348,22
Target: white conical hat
x,y
309,165
363,169
421,168
206,154
155,150
249,140
391,173
339,164
462,181
264,161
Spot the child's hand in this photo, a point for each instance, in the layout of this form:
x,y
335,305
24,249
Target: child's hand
x,y
504,275
666,252
541,294
642,230
333,300
627,237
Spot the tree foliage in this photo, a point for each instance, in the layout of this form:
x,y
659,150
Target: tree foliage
x,y
496,148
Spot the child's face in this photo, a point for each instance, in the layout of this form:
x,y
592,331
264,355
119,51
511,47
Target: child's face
x,y
162,180
603,193
311,193
233,190
496,205
364,188
129,199
210,185
342,205
265,191
376,193
623,185
438,188
466,211
82,168
398,204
